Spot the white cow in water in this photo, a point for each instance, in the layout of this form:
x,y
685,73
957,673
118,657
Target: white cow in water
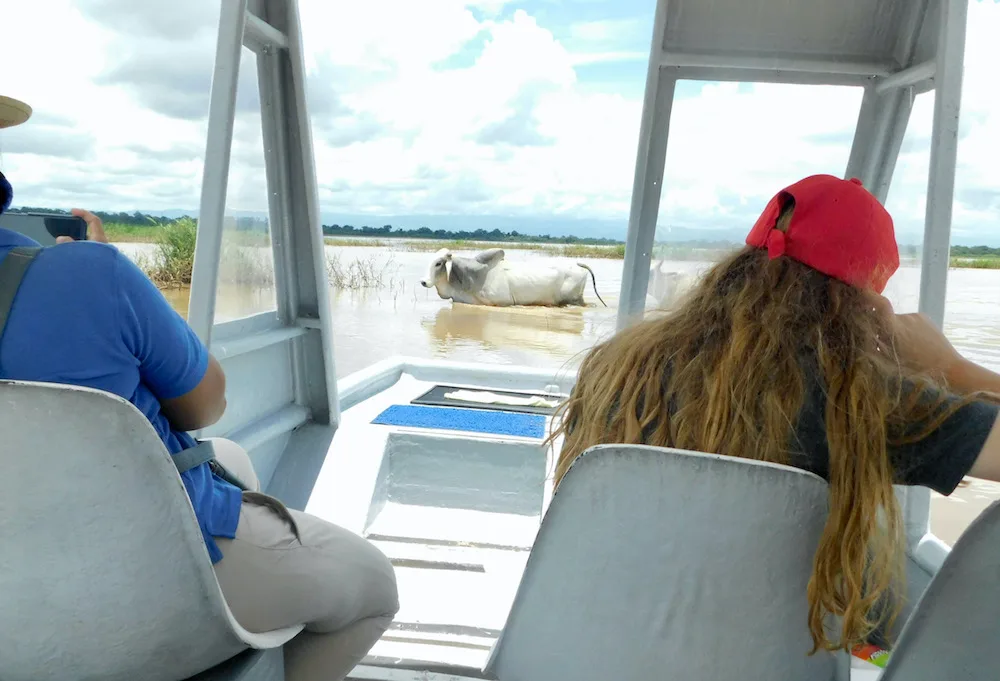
x,y
488,279
665,286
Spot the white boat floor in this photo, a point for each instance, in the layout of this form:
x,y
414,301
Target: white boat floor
x,y
455,512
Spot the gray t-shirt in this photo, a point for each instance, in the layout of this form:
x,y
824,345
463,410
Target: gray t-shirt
x,y
939,461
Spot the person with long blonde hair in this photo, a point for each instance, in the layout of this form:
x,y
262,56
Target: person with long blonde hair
x,y
787,352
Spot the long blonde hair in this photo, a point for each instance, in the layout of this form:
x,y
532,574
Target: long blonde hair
x,y
728,373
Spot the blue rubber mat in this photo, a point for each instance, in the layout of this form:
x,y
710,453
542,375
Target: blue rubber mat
x,y
466,420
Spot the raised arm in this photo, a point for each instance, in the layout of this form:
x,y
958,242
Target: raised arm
x,y
173,363
925,348
202,406
968,377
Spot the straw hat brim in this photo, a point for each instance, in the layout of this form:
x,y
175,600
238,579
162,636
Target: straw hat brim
x,y
13,112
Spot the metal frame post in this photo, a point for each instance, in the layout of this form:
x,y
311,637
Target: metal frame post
x,y
271,29
897,112
279,210
317,368
885,112
857,162
215,181
293,345
647,187
943,159
296,232
940,198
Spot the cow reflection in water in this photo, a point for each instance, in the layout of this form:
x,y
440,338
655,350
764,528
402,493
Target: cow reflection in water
x,y
554,332
489,279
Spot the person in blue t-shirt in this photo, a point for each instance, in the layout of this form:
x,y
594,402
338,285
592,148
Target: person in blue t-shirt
x,y
86,315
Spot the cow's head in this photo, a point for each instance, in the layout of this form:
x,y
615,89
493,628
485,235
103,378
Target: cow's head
x,y
439,269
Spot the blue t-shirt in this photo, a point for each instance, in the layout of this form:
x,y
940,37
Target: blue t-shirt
x,y
86,315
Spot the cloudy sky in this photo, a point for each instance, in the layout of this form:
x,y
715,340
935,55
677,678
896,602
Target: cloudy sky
x,y
468,107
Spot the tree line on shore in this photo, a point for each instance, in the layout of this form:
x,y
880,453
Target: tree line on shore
x,y
141,221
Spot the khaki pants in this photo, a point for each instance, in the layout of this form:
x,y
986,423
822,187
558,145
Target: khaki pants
x,y
336,583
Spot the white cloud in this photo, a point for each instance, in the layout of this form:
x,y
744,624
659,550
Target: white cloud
x,y
60,76
603,31
407,118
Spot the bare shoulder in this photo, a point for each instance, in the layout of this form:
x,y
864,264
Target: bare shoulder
x,y
987,465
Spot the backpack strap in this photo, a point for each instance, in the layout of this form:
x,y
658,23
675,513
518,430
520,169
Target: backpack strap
x,y
204,452
185,460
12,270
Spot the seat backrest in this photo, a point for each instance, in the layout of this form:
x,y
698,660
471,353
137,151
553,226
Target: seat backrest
x,y
952,633
655,563
104,572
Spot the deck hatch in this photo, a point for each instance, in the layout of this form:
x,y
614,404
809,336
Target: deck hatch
x,y
487,422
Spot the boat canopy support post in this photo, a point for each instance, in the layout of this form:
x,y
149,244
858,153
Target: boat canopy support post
x,y
891,54
293,202
279,364
886,106
940,198
893,49
215,178
943,158
647,187
881,127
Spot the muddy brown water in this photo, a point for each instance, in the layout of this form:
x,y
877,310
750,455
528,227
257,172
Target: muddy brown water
x,y
400,317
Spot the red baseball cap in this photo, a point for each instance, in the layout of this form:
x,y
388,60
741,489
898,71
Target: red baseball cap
x,y
837,228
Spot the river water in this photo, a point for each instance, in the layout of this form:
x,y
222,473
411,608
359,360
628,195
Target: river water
x,y
400,317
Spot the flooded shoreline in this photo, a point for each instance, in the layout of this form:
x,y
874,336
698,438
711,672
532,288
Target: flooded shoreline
x,y
400,317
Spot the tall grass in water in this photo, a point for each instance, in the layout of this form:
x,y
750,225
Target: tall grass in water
x,y
986,263
119,233
247,266
615,252
362,274
172,262
359,242
246,262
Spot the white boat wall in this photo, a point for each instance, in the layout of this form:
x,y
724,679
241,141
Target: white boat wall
x,y
638,571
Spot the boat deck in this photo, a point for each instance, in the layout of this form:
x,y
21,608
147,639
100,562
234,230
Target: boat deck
x,y
456,513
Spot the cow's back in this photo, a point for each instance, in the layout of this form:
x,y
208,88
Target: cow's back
x,y
537,283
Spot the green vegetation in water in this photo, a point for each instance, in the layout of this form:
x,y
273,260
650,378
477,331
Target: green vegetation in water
x,y
615,252
172,262
987,263
247,262
362,274
120,233
975,257
356,243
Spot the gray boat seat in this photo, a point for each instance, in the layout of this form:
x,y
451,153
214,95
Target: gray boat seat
x,y
952,633
656,563
103,570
